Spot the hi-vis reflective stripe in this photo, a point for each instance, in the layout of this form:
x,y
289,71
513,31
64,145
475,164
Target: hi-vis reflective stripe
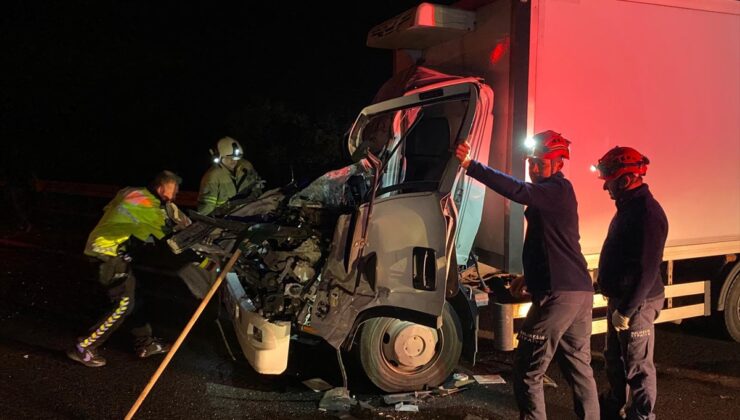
x,y
126,212
139,199
105,250
109,322
107,246
212,200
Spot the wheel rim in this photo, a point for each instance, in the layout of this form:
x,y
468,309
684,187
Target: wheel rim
x,y
408,347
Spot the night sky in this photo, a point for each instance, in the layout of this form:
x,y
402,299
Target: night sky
x,y
114,92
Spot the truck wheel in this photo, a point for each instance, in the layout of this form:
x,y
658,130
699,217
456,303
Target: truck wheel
x,y
732,309
403,356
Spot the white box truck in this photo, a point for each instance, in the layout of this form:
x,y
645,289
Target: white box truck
x,y
368,257
662,76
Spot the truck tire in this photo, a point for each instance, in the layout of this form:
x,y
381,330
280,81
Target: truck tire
x,y
732,308
403,356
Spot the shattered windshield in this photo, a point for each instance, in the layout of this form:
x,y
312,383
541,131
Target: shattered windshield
x,y
415,144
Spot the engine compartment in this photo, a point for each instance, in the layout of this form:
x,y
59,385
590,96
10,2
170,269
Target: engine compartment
x,y
285,236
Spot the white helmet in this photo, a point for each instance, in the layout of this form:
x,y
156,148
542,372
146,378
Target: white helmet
x,y
227,147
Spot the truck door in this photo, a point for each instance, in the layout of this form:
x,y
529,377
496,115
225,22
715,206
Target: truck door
x,y
391,259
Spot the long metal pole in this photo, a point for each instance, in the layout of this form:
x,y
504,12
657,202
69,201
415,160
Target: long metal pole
x,y
183,334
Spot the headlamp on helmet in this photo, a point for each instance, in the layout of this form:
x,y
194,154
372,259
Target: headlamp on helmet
x,y
619,161
227,147
548,145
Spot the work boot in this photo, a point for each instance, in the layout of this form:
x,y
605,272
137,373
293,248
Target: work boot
x,y
86,356
610,409
151,346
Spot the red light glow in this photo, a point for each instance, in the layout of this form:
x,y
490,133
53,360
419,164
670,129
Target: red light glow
x,y
425,15
500,49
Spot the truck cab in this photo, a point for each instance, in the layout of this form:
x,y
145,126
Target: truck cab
x,y
366,256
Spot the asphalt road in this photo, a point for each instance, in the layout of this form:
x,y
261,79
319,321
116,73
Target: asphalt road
x,y
48,296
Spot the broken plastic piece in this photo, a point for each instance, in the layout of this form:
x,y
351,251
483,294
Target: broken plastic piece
x,y
462,383
336,399
407,407
489,379
391,399
458,376
317,384
443,392
480,297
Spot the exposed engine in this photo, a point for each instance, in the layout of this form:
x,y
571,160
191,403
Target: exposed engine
x,y
287,234
279,273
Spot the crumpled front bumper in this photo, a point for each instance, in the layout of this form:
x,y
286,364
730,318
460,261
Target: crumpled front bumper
x,y
265,344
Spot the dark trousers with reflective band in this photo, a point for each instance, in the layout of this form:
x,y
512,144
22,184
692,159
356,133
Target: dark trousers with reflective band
x,y
557,325
115,274
629,360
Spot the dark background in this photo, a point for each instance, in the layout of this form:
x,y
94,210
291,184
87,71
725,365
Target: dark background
x,y
112,92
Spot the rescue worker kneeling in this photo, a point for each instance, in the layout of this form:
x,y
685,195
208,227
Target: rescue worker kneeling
x,y
559,322
135,215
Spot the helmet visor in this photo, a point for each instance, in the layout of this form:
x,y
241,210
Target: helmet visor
x,y
613,169
608,170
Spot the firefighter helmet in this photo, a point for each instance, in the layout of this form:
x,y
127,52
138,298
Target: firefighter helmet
x,y
227,147
548,145
619,161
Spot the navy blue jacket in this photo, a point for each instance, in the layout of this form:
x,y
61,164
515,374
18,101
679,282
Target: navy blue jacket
x,y
629,265
551,256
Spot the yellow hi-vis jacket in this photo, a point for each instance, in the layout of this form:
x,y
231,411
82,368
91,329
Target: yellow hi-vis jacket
x,y
220,185
132,212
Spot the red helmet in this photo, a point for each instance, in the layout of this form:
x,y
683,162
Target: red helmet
x,y
548,145
619,161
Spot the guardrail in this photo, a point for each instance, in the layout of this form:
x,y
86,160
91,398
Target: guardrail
x,y
183,199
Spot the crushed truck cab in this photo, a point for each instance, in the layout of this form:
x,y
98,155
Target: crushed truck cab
x,y
366,256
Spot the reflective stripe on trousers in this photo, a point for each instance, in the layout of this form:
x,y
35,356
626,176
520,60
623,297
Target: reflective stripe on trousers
x,y
115,274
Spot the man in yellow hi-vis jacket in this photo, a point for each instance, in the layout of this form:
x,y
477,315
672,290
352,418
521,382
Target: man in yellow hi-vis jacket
x,y
135,214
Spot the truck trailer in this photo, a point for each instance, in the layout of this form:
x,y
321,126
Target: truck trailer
x,y
662,76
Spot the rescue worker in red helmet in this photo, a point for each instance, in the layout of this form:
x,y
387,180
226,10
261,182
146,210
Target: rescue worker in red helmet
x,y
230,176
555,274
629,275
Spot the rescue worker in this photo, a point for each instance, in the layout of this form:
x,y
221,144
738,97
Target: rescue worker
x,y
558,323
629,276
230,176
136,215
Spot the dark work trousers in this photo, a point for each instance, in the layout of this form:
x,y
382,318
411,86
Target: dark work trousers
x,y
629,360
115,274
557,325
